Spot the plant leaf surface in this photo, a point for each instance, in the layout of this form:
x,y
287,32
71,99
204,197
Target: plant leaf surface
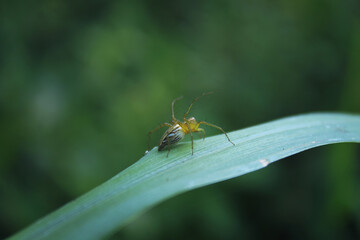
x,y
156,177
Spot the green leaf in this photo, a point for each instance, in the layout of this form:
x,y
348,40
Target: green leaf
x,y
156,177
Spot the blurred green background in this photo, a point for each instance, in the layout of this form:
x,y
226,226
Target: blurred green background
x,y
82,82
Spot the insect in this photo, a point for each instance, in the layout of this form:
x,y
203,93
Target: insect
x,y
177,129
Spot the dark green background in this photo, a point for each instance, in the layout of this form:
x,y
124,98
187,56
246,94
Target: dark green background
x,y
82,82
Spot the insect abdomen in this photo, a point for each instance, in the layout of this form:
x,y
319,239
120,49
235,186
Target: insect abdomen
x,y
171,136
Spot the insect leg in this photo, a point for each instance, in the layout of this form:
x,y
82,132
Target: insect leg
x,y
194,101
212,125
155,129
172,108
168,152
192,140
203,131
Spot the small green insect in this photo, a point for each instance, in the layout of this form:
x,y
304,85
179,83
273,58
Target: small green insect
x,y
177,129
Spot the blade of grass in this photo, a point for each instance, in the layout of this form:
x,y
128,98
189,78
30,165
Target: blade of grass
x,y
155,177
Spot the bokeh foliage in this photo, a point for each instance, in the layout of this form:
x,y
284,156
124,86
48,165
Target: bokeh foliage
x,y
81,82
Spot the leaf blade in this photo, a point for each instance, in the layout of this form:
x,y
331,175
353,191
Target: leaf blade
x,y
155,178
